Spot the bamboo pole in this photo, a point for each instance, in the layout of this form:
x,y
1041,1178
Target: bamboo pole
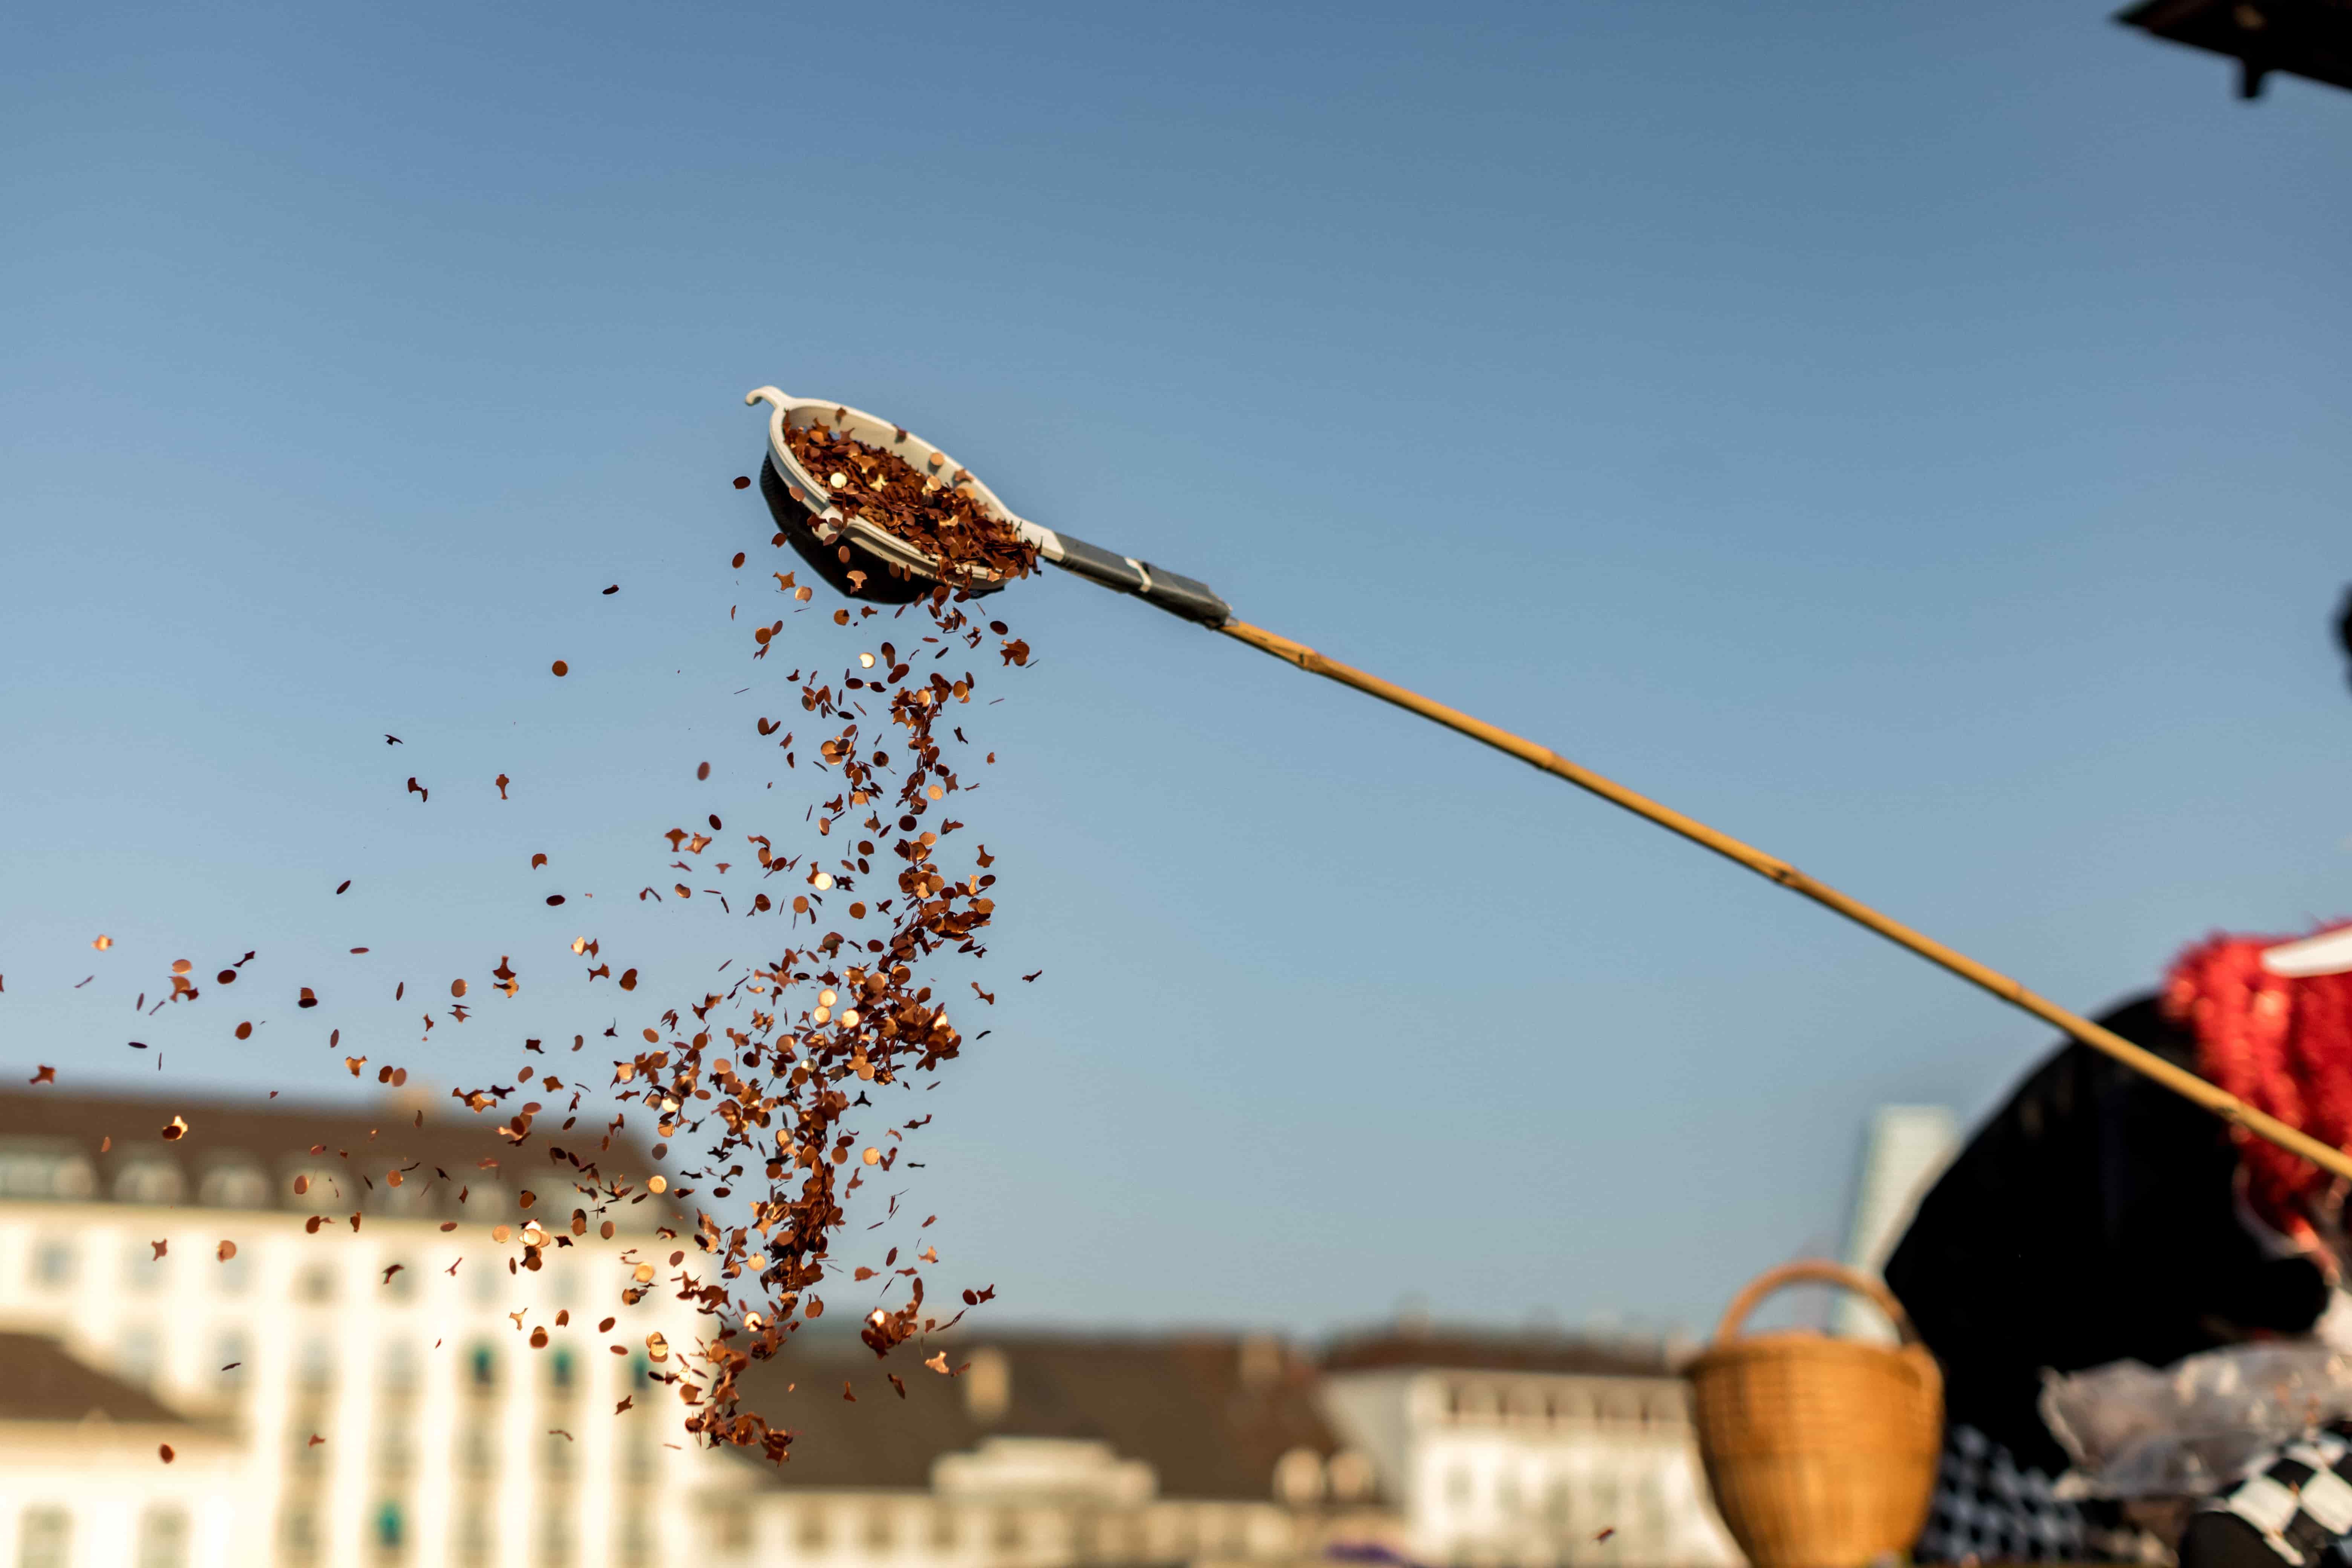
x,y
2221,1102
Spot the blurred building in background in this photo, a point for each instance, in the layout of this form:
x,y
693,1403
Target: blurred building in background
x,y
1506,1451
355,1388
1044,1450
392,1394
82,1473
1904,1150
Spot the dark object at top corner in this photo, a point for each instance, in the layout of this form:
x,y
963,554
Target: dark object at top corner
x,y
2310,38
2344,626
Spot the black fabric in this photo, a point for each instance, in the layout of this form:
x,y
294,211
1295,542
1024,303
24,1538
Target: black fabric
x,y
2284,1512
2093,1219
2225,1541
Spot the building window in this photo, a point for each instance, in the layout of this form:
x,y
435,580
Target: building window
x,y
637,1451
394,1452
554,1540
143,1271
149,1182
234,1186
1008,1531
318,1283
734,1528
301,1530
560,1370
1298,1478
812,1533
402,1286
236,1273
636,1541
943,1528
480,1455
53,1262
555,1454
44,1538
398,1368
164,1538
317,1367
473,1538
1351,1475
879,1529
1458,1488
44,1173
484,1367
137,1356
389,1529
320,1189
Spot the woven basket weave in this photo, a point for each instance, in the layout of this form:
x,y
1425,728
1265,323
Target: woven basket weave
x,y
1821,1452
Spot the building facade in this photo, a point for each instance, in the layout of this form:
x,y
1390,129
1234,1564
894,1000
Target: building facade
x,y
1904,1151
324,1315
391,1393
84,1475
1055,1451
1504,1452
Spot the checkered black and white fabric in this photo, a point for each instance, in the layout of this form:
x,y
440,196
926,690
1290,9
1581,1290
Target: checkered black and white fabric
x,y
2293,1506
1989,1508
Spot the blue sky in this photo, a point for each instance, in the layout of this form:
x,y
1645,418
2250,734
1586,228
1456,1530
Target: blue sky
x,y
1911,438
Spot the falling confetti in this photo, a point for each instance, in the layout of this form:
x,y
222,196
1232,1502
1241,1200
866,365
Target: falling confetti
x,y
759,1080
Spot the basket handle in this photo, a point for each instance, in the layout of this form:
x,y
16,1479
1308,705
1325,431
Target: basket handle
x,y
1819,1271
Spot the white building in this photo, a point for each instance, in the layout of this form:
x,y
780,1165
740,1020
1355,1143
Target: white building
x,y
1532,1453
454,1435
1904,1152
397,1395
83,1476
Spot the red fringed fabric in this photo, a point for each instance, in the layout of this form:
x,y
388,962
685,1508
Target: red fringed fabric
x,y
2281,1045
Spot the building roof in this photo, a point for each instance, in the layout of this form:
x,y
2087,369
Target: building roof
x,y
1468,1349
1211,1413
40,1381
102,1146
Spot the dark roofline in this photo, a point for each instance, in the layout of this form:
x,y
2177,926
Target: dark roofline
x,y
1464,1349
41,1381
114,1130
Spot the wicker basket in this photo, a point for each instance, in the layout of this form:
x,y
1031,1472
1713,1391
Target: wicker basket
x,y
1821,1452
